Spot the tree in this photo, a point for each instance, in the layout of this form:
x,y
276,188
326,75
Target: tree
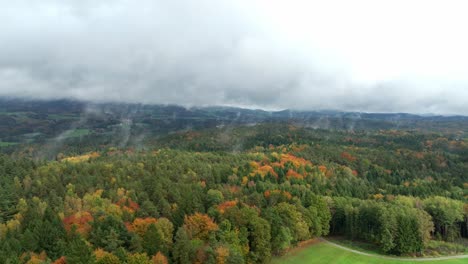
x,y
182,247
152,240
29,241
199,226
159,258
79,252
166,229
408,239
282,241
113,241
138,258
81,220
103,257
260,243
227,235
222,255
50,234
140,225
109,233
61,260
214,197
288,216
446,213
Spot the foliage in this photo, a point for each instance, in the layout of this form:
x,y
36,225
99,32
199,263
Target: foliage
x,y
189,198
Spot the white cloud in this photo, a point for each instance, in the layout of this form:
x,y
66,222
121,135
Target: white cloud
x,y
398,56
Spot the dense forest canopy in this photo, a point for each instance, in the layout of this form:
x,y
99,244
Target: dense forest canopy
x,y
209,186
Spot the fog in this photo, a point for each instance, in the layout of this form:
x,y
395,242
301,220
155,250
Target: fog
x,y
371,56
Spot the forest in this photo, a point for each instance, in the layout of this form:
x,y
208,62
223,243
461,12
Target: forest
x,y
241,193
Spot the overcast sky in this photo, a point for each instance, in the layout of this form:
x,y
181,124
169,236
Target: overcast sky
x,y
372,56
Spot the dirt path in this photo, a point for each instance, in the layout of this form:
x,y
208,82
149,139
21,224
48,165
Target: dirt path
x,y
393,258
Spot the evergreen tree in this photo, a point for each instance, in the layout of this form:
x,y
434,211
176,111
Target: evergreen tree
x,y
78,252
113,241
29,242
152,240
182,247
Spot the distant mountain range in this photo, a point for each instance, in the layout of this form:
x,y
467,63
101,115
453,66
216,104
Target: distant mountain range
x,y
74,106
37,120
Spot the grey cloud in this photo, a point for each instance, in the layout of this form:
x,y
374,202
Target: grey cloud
x,y
183,52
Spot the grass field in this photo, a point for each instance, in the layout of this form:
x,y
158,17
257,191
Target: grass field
x,y
77,133
7,144
62,117
325,253
433,248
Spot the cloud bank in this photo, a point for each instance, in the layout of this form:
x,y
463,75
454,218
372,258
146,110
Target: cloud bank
x,y
373,56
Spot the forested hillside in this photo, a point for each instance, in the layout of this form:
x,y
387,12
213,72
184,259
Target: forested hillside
x,y
79,127
237,194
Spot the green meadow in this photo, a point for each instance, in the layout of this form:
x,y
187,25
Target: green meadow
x,y
328,254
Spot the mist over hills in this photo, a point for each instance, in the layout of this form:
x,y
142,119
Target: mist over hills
x,y
31,121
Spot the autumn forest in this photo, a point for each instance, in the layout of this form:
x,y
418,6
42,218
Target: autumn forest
x,y
221,189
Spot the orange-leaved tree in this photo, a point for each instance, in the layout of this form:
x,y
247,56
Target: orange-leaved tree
x,y
199,226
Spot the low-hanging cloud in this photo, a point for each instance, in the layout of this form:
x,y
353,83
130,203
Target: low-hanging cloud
x,y
243,53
